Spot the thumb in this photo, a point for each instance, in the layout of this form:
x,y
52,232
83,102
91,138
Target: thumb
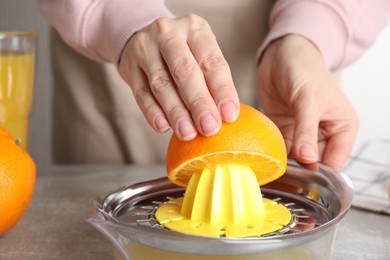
x,y
305,140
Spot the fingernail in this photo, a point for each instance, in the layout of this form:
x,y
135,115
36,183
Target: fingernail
x,y
208,124
307,153
228,111
186,130
161,123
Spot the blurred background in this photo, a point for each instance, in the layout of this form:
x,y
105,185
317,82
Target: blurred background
x,y
366,82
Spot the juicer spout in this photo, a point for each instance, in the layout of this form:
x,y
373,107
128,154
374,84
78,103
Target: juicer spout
x,y
111,231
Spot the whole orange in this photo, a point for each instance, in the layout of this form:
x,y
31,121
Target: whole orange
x,y
252,140
17,180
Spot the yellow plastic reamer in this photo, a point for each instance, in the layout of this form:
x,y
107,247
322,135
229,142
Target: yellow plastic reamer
x,y
223,201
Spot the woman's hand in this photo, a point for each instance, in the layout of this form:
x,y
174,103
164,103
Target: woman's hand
x,y
299,94
179,77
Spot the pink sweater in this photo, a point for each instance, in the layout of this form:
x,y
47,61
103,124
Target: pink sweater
x,y
343,30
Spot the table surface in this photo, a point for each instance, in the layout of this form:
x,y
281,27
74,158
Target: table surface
x,y
54,225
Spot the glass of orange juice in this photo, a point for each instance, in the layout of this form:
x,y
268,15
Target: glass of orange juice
x,y
17,60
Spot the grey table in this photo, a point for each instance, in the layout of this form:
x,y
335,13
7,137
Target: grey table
x,y
54,226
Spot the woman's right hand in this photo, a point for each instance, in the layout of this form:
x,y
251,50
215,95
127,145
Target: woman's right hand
x,y
179,77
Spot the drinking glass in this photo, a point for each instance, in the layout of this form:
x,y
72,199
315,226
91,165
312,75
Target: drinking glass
x,y
17,62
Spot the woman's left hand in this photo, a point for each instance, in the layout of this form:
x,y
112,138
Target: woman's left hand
x,y
298,92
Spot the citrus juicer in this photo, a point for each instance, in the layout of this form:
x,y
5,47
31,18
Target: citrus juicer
x,y
143,220
224,200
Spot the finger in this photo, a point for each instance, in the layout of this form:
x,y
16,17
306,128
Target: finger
x,y
339,148
321,149
163,89
286,127
216,72
306,132
147,103
136,79
191,84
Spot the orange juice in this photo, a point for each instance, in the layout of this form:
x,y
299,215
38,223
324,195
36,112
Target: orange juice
x,y
139,252
16,88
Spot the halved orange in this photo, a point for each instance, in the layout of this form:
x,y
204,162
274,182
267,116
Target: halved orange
x,y
252,140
